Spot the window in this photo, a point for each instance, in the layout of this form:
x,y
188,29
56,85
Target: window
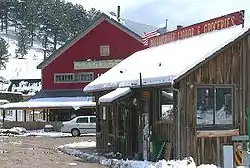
x,y
73,77
104,50
164,99
92,120
83,120
214,105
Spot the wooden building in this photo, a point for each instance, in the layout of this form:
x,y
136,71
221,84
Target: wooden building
x,y
211,72
122,122
101,45
214,96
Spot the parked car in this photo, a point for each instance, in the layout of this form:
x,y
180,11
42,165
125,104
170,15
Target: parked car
x,y
80,125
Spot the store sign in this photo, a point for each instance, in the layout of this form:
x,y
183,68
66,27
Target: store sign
x,y
103,64
219,23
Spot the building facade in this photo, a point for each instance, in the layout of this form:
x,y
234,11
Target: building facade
x,y
95,50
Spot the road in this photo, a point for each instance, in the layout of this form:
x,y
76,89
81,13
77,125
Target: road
x,y
39,152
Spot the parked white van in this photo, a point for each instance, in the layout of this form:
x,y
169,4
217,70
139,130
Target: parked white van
x,y
80,125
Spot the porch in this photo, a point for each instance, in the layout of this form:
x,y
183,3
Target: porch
x,y
131,122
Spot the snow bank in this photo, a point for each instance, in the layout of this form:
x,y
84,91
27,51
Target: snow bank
x,y
77,149
84,144
42,133
13,131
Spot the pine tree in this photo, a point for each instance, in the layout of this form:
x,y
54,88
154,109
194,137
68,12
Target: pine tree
x,y
23,43
4,54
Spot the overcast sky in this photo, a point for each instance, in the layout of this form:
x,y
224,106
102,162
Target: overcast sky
x,y
178,12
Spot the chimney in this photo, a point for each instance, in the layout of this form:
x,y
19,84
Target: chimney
x,y
118,13
166,25
179,27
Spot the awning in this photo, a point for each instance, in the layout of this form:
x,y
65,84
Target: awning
x,y
167,95
117,93
52,103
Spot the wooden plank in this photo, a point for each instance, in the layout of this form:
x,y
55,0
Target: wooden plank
x,y
218,150
168,151
202,150
217,133
248,71
244,75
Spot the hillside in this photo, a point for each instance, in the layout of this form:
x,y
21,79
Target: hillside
x,y
35,26
21,68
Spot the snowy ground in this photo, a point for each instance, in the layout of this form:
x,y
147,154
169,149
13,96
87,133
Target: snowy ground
x,y
83,148
19,131
77,149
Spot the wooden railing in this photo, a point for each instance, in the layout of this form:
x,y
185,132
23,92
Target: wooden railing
x,y
164,130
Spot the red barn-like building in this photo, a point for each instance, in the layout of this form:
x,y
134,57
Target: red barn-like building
x,y
96,49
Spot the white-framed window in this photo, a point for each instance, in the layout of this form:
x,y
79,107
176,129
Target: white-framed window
x,y
73,77
104,50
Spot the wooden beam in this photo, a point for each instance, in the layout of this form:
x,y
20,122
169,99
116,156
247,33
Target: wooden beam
x,y
202,150
25,116
244,91
217,133
16,116
33,115
218,150
248,76
3,117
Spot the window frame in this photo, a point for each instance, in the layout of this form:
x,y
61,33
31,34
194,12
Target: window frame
x,y
233,101
76,77
102,50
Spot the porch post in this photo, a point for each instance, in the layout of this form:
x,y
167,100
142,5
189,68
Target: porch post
x,y
33,115
3,117
16,116
25,115
44,114
47,114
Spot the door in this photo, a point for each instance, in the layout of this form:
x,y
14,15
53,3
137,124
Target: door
x,y
92,121
83,124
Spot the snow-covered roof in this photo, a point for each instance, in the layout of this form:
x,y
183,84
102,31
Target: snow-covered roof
x,y
25,86
56,102
138,28
164,63
117,93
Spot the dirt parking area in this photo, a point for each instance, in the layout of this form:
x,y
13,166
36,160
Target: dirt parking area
x,y
39,152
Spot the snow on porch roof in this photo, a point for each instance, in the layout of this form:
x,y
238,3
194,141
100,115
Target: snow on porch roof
x,y
56,102
111,96
164,63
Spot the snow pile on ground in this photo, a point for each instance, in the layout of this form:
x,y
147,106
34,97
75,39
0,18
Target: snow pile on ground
x,y
20,131
13,131
84,144
88,154
207,166
42,133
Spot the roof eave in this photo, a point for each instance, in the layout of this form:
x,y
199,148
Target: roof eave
x,y
211,57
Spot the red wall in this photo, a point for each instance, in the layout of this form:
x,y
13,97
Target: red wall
x,y
121,46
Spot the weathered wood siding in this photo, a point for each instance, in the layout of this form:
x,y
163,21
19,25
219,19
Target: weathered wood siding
x,y
229,66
